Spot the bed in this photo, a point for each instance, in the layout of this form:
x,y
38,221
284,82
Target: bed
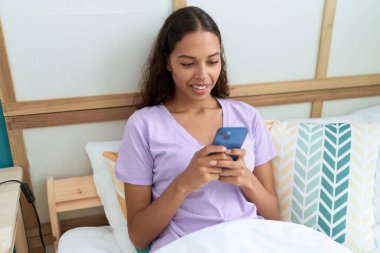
x,y
311,88
103,188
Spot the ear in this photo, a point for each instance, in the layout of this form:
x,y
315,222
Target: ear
x,y
168,65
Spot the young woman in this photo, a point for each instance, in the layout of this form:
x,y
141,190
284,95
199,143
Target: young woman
x,y
176,182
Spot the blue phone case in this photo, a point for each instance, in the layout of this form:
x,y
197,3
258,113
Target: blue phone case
x,y
230,137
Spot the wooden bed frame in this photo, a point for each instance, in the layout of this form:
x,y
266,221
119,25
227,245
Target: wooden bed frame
x,y
20,115
67,195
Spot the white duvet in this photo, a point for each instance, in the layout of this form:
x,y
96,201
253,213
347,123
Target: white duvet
x,y
258,236
254,236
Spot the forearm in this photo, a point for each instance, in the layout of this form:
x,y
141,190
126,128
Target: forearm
x,y
149,222
266,202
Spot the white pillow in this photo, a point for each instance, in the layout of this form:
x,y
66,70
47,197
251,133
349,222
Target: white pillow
x,y
368,114
88,239
371,114
107,193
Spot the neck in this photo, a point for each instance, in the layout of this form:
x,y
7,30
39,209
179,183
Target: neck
x,y
183,105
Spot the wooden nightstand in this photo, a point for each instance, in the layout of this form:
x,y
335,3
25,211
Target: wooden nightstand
x,y
12,232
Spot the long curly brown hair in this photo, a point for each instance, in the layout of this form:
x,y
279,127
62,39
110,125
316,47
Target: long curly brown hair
x,y
157,85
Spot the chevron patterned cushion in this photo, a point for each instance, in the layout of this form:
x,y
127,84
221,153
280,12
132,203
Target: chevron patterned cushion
x,y
325,178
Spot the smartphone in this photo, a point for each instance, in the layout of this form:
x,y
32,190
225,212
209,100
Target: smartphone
x,y
230,137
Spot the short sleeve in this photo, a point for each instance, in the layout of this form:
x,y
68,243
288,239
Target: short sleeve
x,y
135,163
265,149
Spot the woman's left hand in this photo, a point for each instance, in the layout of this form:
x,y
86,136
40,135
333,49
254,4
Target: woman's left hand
x,y
235,172
257,186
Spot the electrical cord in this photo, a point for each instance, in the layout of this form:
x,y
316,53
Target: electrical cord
x,y
30,198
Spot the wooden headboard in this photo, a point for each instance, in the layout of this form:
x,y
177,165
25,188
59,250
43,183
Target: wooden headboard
x,y
20,115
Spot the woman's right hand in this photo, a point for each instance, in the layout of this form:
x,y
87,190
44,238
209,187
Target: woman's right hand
x,y
202,168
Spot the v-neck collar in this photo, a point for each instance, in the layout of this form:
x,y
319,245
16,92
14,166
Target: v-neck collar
x,y
184,132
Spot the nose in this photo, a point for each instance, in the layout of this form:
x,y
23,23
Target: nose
x,y
201,71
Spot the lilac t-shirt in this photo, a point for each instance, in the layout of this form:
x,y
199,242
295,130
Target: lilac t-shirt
x,y
156,149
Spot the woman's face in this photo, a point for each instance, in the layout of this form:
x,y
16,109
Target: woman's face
x,y
195,64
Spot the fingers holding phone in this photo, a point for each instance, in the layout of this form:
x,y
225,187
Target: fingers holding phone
x,y
234,171
212,161
201,169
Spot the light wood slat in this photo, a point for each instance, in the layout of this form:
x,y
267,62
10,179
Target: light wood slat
x,y
69,194
68,104
7,92
55,225
316,109
21,243
75,193
68,118
324,51
78,204
304,97
16,143
304,85
122,113
122,100
19,157
77,188
178,4
325,40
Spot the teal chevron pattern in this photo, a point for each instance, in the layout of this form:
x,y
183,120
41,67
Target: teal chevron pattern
x,y
307,176
324,177
334,181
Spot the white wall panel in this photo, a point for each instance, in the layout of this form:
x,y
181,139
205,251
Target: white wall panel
x,y
344,106
285,112
268,40
355,48
87,50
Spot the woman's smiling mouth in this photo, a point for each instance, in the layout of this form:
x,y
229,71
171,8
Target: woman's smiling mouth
x,y
199,88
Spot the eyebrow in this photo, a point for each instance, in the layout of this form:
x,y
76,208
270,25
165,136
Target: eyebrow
x,y
191,57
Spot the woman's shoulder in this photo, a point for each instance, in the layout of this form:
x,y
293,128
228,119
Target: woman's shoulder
x,y
146,114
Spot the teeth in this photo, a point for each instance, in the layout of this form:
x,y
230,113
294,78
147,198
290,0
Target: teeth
x,y
200,87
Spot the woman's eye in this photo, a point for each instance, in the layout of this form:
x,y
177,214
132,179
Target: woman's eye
x,y
213,62
187,64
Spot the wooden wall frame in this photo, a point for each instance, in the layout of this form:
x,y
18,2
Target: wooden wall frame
x,y
55,112
324,51
178,4
16,138
20,115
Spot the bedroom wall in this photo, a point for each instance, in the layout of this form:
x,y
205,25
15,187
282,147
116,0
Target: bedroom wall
x,y
72,48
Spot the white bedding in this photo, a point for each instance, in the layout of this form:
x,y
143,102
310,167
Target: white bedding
x,y
89,239
239,236
259,236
